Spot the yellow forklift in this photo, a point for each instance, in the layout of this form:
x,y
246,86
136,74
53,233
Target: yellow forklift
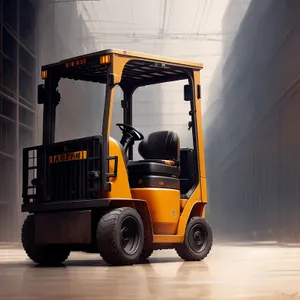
x,y
89,195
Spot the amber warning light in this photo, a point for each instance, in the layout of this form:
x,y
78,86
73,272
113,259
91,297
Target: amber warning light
x,y
76,62
44,74
105,59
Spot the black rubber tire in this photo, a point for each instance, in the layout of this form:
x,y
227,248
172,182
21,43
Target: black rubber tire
x,y
146,254
186,251
49,255
109,237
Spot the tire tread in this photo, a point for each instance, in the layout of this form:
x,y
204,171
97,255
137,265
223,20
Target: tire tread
x,y
107,235
184,252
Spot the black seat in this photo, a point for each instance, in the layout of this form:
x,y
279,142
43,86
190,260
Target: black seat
x,y
161,153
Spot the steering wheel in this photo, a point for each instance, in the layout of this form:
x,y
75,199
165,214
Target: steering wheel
x,y
127,129
130,135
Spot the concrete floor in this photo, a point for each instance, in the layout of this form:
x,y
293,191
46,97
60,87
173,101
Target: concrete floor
x,y
230,272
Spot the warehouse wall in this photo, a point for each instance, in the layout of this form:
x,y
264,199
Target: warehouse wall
x,y
18,58
34,33
252,146
233,17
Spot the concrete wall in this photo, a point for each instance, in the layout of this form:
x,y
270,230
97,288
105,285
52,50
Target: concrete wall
x,y
252,145
233,17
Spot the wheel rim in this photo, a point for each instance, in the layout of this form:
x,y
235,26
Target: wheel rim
x,y
198,238
130,235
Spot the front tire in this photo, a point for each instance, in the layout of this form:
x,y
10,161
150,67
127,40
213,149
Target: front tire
x,y
41,254
120,236
197,242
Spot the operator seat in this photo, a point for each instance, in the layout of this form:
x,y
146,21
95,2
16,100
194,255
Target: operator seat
x,y
161,153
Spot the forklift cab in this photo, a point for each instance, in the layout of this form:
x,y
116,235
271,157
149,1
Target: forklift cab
x,y
93,183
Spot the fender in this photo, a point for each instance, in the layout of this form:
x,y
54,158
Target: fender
x,y
190,210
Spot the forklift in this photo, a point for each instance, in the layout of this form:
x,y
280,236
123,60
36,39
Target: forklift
x,y
90,195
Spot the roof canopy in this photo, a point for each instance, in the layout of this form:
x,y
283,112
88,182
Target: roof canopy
x,y
142,69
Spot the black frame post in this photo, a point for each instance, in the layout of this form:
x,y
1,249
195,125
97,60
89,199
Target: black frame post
x,y
127,113
49,114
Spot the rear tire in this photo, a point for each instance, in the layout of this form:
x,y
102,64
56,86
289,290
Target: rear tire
x,y
120,236
41,254
197,242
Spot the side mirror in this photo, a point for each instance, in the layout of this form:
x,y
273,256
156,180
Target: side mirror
x,y
198,91
187,92
41,96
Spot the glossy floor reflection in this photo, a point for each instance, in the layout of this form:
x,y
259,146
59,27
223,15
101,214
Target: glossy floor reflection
x,y
230,272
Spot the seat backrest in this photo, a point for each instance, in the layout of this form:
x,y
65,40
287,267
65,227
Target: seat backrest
x,y
164,145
